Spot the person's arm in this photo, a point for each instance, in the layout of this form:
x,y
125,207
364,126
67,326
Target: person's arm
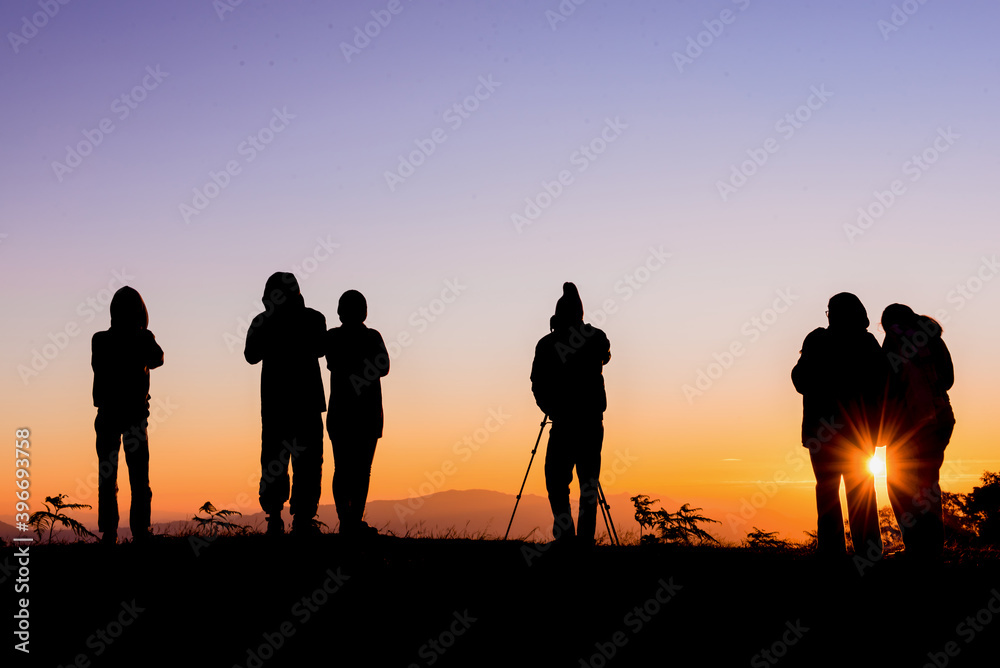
x,y
97,363
605,349
318,343
253,351
804,372
96,358
541,380
380,349
945,367
154,357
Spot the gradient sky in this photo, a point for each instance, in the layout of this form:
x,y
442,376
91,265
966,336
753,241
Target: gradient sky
x,y
70,236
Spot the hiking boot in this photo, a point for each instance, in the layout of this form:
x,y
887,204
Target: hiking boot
x,y
275,525
142,537
306,529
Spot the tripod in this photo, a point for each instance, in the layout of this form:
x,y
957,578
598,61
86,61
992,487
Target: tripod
x,y
602,500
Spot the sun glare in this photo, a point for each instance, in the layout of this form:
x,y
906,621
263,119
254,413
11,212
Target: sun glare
x,y
877,464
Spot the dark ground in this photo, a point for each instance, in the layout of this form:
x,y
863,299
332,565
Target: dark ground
x,y
482,604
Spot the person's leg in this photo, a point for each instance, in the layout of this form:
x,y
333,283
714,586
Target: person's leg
x,y
274,482
928,530
307,467
136,446
901,480
588,441
364,460
830,539
108,445
343,494
862,507
559,464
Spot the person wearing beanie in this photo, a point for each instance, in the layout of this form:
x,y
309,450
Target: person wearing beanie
x,y
288,338
357,359
121,358
921,418
567,381
841,375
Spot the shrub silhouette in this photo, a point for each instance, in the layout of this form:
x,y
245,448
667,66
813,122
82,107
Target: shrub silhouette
x,y
891,535
216,520
758,539
680,527
982,508
47,519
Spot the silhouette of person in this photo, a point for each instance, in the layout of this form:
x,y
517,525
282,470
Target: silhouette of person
x,y
121,358
288,338
357,360
841,375
921,373
567,382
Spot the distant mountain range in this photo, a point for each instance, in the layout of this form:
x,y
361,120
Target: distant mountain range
x,y
477,512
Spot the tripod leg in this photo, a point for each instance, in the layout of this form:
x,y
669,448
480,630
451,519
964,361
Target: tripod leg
x,y
606,511
538,440
604,514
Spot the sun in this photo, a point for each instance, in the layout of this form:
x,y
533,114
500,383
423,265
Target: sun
x,y
877,466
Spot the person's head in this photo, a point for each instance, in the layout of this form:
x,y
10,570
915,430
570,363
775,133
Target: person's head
x,y
352,308
901,320
569,308
282,292
897,318
128,311
846,312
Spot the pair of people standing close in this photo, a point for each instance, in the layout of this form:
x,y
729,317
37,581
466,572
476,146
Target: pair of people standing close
x,y
858,395
289,339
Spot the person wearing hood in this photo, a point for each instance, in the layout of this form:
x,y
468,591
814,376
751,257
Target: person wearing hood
x,y
357,359
922,420
567,381
841,375
121,359
288,338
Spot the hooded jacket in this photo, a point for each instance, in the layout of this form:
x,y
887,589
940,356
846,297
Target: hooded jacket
x,y
920,374
567,373
122,356
841,375
288,338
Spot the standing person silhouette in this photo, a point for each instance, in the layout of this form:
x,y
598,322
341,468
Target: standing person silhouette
x,y
357,360
841,376
921,373
121,358
288,338
567,380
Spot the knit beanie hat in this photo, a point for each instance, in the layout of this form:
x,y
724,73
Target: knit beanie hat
x,y
569,308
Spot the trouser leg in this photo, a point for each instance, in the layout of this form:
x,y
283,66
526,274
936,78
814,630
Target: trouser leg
x,y
136,446
108,445
364,460
590,438
559,464
903,482
862,509
274,481
307,467
830,518
343,496
928,531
